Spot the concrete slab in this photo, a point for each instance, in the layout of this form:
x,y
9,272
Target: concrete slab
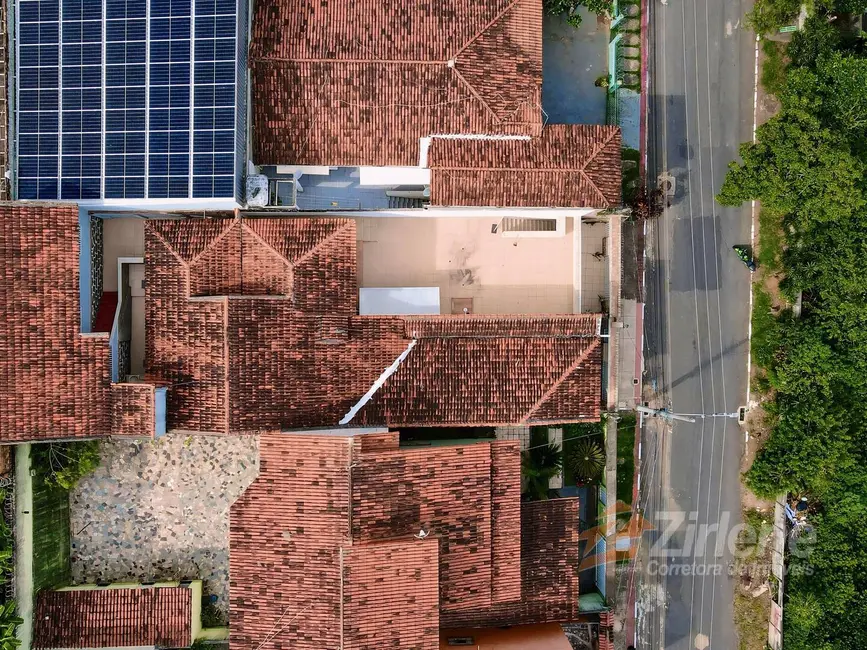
x,y
628,333
595,248
572,60
466,260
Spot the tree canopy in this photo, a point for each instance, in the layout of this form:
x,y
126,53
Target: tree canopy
x,y
809,164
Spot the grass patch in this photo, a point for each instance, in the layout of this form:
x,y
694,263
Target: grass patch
x,y
766,329
751,620
211,616
768,16
770,241
773,76
625,458
51,535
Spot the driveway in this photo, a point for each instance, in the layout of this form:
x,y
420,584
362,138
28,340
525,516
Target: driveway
x,y
572,60
159,510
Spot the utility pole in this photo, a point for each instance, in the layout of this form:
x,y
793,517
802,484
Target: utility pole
x,y
665,414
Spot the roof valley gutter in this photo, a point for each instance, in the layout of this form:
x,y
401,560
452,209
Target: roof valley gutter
x,y
388,372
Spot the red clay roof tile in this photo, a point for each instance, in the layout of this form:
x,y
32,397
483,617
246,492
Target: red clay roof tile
x,y
325,96
325,545
570,165
54,381
505,521
447,492
133,410
114,618
390,595
247,364
550,559
490,381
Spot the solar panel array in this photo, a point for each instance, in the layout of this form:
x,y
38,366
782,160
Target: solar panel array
x,y
127,99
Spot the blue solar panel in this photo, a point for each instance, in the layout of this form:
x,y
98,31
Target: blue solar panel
x,y
39,98
127,90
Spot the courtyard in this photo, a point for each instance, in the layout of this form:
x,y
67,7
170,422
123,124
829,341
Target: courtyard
x,y
159,510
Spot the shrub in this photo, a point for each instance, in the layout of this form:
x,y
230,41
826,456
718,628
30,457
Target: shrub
x,y
9,622
774,67
769,16
569,8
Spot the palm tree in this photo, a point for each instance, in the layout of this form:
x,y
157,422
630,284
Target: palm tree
x,y
538,466
587,459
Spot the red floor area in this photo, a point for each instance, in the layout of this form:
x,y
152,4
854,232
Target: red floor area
x,y
105,315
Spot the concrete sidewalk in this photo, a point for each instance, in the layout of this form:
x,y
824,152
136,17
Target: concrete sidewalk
x,y
24,544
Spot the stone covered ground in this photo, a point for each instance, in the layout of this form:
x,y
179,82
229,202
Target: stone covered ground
x,y
159,510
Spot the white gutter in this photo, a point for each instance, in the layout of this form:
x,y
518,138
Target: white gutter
x,y
388,372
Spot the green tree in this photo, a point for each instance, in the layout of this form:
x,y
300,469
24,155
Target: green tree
x,y
819,37
796,164
808,165
63,464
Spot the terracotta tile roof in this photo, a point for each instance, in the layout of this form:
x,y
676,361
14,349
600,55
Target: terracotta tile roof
x,y
185,343
254,256
188,341
495,326
54,381
327,535
302,358
570,165
550,557
390,595
133,409
286,531
447,492
294,370
350,83
505,520
490,381
114,618
290,536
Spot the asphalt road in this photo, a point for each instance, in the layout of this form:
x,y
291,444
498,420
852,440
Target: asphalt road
x,y
702,63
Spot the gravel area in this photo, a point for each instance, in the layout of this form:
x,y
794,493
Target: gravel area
x,y
159,510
